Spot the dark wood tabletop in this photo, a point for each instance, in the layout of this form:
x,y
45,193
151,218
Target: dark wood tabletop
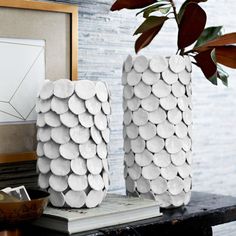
x,y
196,219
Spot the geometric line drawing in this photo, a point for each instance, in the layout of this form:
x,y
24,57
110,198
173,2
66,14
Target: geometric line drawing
x,y
18,92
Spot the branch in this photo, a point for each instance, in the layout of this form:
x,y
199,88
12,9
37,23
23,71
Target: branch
x,y
174,11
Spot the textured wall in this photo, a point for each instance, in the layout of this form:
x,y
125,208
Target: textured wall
x,y
105,39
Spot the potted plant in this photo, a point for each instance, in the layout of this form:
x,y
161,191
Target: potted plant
x,y
157,97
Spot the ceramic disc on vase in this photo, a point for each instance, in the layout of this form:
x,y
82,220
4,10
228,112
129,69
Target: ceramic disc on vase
x,y
141,64
158,116
161,89
100,121
158,64
173,144
129,159
124,78
183,103
187,184
127,117
177,63
184,77
132,131
134,171
93,105
147,131
60,166
189,157
143,159
94,165
43,105
151,171
106,135
40,120
155,144
140,117
63,88
127,145
137,145
88,149
175,186
78,166
178,200
69,119
85,89
128,64
106,108
169,102
133,104
169,172
78,182
58,183
150,103
105,165
184,170
106,179
96,182
133,77
141,90
59,106
79,134
69,150
187,117
149,77
94,198
128,92
187,198
46,91
52,119
57,199
101,91
75,199
43,165
162,159
51,150
76,105
181,130
143,185
96,135
44,134
102,150
86,120
43,180
158,185
178,89
186,143
174,116
178,158
165,129
39,149
60,135
164,199
169,77
188,63
130,184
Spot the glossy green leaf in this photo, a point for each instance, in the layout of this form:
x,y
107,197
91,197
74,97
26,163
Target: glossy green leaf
x,y
150,23
148,10
222,75
209,34
164,10
191,25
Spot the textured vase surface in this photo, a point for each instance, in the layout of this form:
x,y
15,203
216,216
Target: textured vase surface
x,y
73,134
158,128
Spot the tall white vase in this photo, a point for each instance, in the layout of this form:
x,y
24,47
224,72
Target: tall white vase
x,y
73,133
158,128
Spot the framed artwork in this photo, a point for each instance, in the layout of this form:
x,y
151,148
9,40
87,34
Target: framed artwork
x,y
38,41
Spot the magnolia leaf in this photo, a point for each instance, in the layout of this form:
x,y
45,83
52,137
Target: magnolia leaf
x,y
164,10
226,39
150,22
226,55
209,34
191,25
146,38
207,62
222,75
131,4
148,10
183,6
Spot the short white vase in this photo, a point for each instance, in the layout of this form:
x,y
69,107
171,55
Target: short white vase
x,y
73,133
158,128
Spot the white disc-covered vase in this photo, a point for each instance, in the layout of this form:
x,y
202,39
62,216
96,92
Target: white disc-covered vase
x,y
73,134
158,128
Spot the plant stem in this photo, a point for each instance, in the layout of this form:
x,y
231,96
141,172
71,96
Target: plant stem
x,y
174,11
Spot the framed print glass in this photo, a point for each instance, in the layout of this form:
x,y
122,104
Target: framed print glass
x,y
38,41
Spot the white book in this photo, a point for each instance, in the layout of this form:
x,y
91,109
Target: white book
x,y
115,210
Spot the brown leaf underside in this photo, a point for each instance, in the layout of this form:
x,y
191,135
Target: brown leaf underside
x,y
131,4
226,55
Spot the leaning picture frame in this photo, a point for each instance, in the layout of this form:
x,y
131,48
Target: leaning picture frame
x,y
55,27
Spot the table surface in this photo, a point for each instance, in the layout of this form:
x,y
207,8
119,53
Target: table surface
x,y
204,209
